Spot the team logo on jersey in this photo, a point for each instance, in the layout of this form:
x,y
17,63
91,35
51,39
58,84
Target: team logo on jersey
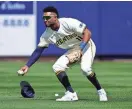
x,y
68,37
81,24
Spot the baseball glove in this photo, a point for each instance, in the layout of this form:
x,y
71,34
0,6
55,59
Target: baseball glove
x,y
74,54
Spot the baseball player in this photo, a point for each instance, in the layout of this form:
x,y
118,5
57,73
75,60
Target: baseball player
x,y
73,35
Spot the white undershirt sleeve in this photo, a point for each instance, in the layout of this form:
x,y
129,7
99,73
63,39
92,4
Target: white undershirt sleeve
x,y
44,40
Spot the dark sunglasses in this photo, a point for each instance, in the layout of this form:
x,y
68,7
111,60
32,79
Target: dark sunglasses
x,y
46,17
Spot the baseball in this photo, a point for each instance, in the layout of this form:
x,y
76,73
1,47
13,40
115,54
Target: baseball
x,y
20,72
56,94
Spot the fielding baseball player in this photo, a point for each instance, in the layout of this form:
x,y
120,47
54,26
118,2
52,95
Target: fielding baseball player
x,y
73,35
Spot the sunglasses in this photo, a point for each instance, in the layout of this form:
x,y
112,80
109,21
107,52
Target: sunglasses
x,y
47,17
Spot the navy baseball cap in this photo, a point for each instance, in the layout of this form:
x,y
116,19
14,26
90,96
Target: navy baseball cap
x,y
26,90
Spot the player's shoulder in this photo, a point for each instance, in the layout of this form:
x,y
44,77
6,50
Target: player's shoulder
x,y
70,21
48,30
67,19
46,33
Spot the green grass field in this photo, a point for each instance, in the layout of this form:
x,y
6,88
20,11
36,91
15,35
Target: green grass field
x,y
115,77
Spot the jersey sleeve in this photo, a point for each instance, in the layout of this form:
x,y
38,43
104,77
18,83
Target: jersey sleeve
x,y
44,40
76,25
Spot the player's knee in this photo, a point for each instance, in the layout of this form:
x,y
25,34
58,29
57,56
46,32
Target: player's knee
x,y
58,68
86,70
87,73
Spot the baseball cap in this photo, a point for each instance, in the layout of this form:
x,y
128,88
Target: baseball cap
x,y
26,90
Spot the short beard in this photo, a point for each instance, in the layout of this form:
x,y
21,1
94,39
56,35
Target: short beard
x,y
51,25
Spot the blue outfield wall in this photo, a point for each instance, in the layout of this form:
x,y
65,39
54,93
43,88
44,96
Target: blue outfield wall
x,y
109,22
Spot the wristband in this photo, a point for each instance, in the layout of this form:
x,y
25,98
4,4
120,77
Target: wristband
x,y
82,45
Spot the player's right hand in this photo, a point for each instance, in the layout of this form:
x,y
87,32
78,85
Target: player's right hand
x,y
23,70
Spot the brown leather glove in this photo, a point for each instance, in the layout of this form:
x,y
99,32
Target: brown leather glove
x,y
74,54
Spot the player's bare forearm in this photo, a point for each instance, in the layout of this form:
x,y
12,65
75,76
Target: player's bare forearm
x,y
86,35
86,38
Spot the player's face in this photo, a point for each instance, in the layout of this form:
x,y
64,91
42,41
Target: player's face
x,y
49,18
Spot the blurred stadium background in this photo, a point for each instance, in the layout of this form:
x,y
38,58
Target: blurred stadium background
x,y
21,26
